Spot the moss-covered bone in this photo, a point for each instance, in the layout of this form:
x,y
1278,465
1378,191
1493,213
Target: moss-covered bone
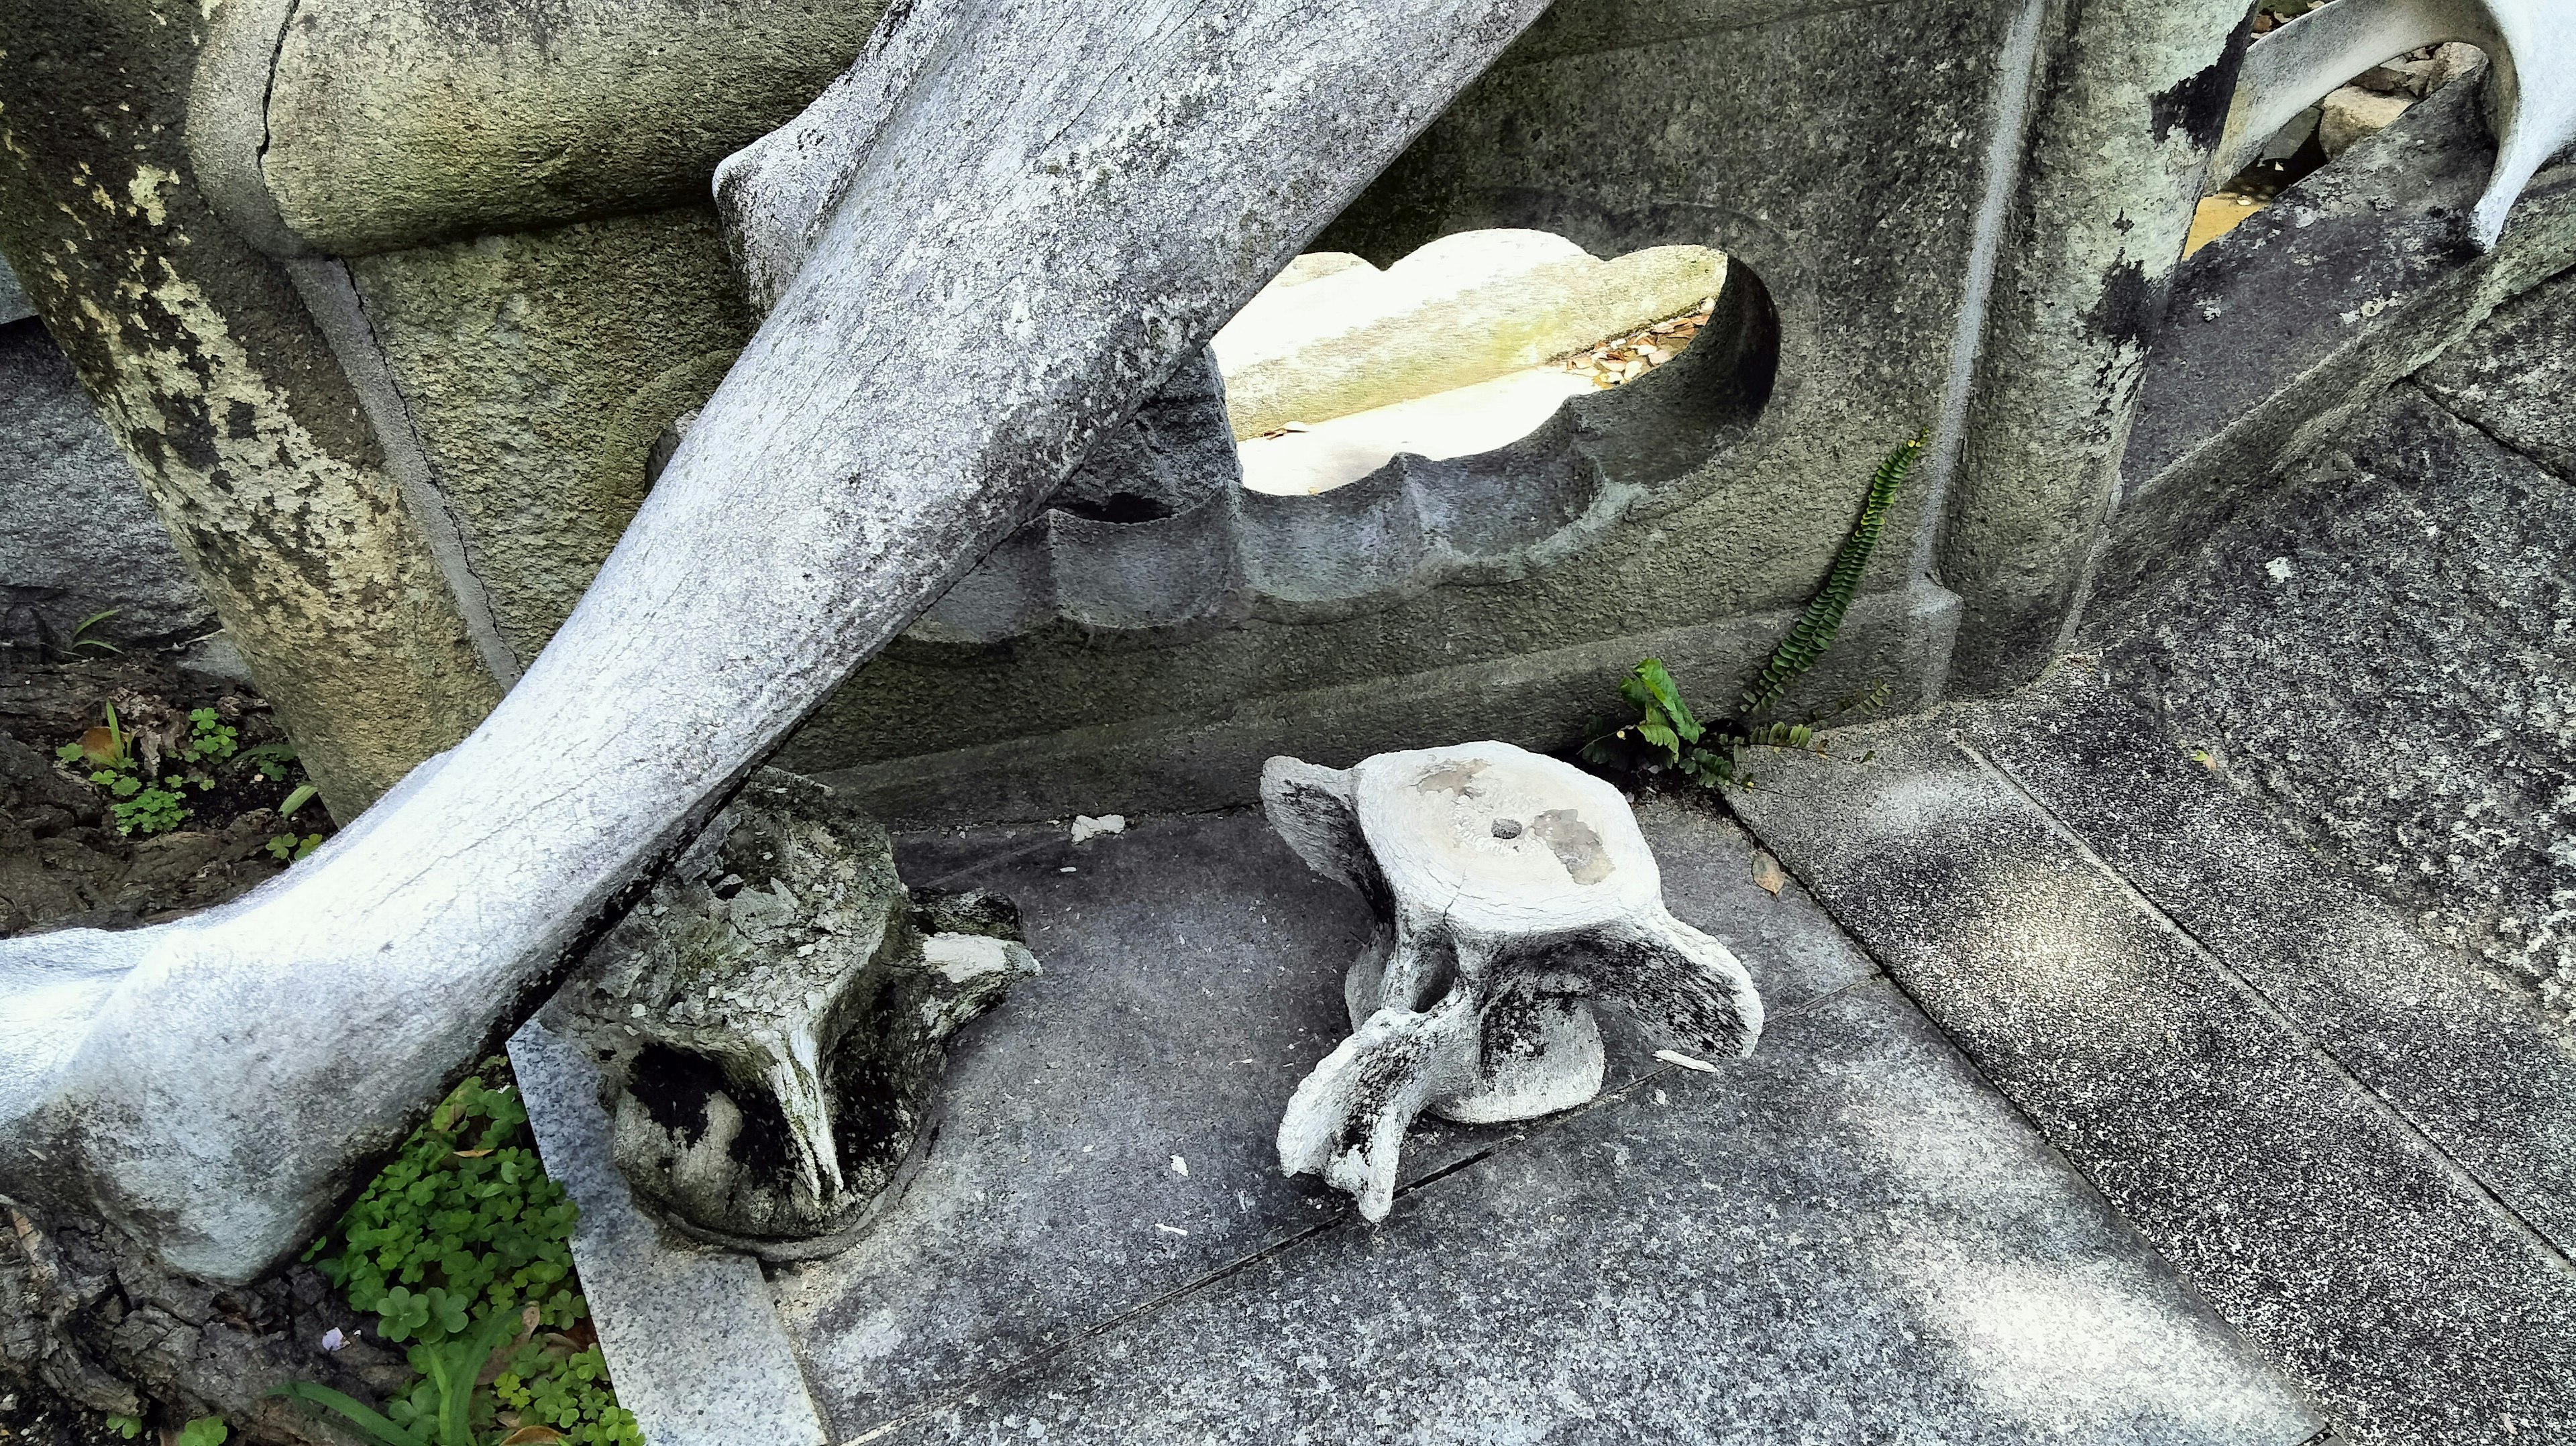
x,y
773,1014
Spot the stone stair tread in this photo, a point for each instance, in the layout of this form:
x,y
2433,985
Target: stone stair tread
x,y
2315,1215
1193,977
1847,1237
2491,1081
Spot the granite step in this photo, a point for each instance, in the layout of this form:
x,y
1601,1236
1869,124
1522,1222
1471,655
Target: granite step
x,y
2354,1144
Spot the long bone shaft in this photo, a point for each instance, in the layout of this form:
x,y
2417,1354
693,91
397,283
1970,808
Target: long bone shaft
x,y
1063,202
2531,50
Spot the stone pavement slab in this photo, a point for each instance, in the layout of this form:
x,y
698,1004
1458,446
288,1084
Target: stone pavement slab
x,y
1847,1238
2310,1210
1193,977
1926,1266
2514,378
2381,651
2473,1065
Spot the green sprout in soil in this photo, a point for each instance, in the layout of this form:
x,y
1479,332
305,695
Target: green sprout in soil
x,y
93,620
286,847
462,1251
147,801
1666,737
148,796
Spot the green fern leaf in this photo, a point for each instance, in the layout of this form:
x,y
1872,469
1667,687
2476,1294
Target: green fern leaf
x,y
1662,693
1823,618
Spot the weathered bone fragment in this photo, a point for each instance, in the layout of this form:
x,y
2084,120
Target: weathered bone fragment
x,y
770,1019
1090,188
1510,890
2531,53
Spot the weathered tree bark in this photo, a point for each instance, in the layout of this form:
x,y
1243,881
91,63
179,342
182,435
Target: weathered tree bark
x,y
87,1320
1086,191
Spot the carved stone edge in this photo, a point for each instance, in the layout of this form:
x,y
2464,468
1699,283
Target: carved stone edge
x,y
691,1333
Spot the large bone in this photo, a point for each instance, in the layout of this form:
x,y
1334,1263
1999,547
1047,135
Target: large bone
x,y
769,1021
1087,187
2531,52
1509,889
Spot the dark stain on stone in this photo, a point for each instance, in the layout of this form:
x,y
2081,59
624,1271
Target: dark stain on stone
x,y
880,1080
2198,106
2130,307
1376,1084
1435,973
1515,1027
189,427
1574,843
1118,507
673,1086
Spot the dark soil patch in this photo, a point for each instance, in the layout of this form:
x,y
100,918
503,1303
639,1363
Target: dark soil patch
x,y
30,1416
62,861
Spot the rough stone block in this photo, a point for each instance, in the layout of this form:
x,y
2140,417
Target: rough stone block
x,y
77,536
1406,615
2353,114
1183,755
539,370
2282,333
2377,651
589,108
2514,378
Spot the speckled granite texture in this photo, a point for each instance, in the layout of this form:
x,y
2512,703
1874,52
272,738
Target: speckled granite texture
x,y
2381,651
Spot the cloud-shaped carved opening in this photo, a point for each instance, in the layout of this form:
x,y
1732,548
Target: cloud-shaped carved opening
x,y
1359,433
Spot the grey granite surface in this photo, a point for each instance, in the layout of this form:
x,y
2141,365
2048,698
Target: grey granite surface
x,y
689,1333
2380,650
2309,1209
2514,378
77,537
2481,1071
1846,1238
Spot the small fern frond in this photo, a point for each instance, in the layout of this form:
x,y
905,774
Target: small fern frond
x,y
1815,630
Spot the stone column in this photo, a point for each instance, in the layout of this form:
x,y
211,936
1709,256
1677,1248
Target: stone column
x,y
222,390
2130,97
